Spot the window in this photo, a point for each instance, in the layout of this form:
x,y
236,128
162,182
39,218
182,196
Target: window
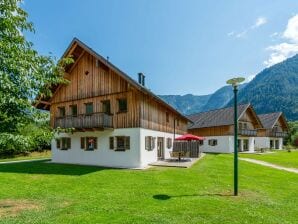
x,y
89,108
167,117
106,106
73,110
88,143
245,126
149,143
169,143
122,105
178,122
61,111
122,143
212,142
63,143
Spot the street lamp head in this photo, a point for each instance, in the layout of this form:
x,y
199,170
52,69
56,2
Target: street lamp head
x,y
235,81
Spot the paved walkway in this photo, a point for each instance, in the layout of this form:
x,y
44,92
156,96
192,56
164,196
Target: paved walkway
x,y
293,170
184,163
25,160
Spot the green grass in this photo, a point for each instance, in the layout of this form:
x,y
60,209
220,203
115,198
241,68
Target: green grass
x,y
33,155
283,158
201,194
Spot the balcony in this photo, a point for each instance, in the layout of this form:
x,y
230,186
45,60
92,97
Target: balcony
x,y
277,134
247,132
84,121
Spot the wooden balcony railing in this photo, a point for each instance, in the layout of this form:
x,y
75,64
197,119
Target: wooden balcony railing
x,y
82,121
247,132
278,134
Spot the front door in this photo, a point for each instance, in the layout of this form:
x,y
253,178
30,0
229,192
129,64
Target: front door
x,y
160,148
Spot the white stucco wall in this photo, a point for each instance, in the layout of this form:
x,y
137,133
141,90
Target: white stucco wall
x,y
264,142
136,157
148,157
225,144
102,156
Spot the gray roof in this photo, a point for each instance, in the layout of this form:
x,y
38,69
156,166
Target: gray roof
x,y
269,120
219,117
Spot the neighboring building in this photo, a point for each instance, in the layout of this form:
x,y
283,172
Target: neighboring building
x,y
217,126
117,121
274,129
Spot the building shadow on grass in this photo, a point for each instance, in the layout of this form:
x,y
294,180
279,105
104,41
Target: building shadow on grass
x,y
44,167
167,197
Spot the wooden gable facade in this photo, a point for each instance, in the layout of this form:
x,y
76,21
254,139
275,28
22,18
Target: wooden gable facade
x,y
95,84
248,122
274,125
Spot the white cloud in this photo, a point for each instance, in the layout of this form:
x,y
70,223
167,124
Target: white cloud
x,y
291,31
260,21
288,48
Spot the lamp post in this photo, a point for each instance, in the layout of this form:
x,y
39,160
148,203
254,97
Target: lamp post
x,y
235,82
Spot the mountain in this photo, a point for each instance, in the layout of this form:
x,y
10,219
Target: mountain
x,y
273,89
189,104
186,104
220,98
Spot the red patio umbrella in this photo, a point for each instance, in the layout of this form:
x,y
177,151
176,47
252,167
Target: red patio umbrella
x,y
189,137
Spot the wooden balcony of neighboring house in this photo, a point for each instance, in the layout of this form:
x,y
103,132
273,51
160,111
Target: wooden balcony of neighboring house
x,y
247,132
277,134
97,120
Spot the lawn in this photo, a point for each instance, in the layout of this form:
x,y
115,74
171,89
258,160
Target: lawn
x,y
46,154
41,192
283,158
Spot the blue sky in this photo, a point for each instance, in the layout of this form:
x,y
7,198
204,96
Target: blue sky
x,y
182,47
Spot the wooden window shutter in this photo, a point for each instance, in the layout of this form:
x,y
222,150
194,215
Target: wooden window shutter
x,y
127,142
68,143
147,142
58,143
152,143
95,142
112,143
83,140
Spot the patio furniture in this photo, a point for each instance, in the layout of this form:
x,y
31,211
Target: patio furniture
x,y
178,155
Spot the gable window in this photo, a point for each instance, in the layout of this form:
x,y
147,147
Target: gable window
x,y
63,143
122,105
212,142
73,110
88,143
169,143
167,117
106,106
149,143
61,111
122,143
89,108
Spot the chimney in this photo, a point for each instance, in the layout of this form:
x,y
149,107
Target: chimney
x,y
141,79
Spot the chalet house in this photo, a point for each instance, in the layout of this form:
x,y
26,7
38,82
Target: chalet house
x,y
274,129
117,121
217,126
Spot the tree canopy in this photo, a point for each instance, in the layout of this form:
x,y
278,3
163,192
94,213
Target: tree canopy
x,y
24,73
